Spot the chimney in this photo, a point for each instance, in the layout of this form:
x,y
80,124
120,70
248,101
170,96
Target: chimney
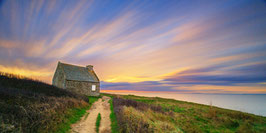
x,y
89,67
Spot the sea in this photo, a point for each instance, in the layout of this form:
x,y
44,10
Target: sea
x,y
249,103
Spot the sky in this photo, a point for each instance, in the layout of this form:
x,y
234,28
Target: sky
x,y
183,46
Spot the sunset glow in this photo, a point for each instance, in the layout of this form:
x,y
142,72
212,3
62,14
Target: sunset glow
x,y
181,46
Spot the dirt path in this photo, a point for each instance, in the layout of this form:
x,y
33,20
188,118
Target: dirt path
x,y
87,124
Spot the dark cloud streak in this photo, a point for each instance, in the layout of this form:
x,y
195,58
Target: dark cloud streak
x,y
249,74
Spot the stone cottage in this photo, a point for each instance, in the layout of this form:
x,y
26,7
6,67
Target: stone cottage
x,y
79,79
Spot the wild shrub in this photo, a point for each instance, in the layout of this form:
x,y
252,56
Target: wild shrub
x,y
138,117
138,105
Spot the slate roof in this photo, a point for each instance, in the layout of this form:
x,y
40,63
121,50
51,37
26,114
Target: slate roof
x,y
78,73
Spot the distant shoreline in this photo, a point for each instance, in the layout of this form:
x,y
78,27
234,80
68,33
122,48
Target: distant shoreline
x,y
128,91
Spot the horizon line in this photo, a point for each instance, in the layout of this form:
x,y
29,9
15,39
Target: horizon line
x,y
125,91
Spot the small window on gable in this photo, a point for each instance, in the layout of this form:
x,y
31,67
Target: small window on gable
x,y
93,87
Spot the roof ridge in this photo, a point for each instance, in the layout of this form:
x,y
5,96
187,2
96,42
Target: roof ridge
x,y
72,65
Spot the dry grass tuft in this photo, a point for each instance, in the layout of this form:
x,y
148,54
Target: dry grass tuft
x,y
138,117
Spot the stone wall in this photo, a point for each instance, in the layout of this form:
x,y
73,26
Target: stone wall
x,y
59,79
83,87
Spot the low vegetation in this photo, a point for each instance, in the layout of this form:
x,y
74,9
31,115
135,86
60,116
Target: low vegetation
x,y
142,114
33,106
93,99
98,122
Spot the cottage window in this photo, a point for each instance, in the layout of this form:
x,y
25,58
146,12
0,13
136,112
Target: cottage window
x,y
93,87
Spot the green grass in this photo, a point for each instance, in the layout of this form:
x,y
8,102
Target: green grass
x,y
98,122
114,125
93,99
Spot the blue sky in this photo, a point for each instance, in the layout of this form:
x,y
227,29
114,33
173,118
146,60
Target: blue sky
x,y
173,45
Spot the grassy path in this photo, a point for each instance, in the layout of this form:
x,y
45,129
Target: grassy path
x,y
88,121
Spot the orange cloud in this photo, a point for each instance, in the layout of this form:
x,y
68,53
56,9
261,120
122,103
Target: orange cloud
x,y
34,74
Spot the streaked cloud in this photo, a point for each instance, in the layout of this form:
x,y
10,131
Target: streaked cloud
x,y
211,46
241,79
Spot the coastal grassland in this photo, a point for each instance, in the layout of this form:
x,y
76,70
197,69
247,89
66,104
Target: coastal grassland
x,y
32,106
154,114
